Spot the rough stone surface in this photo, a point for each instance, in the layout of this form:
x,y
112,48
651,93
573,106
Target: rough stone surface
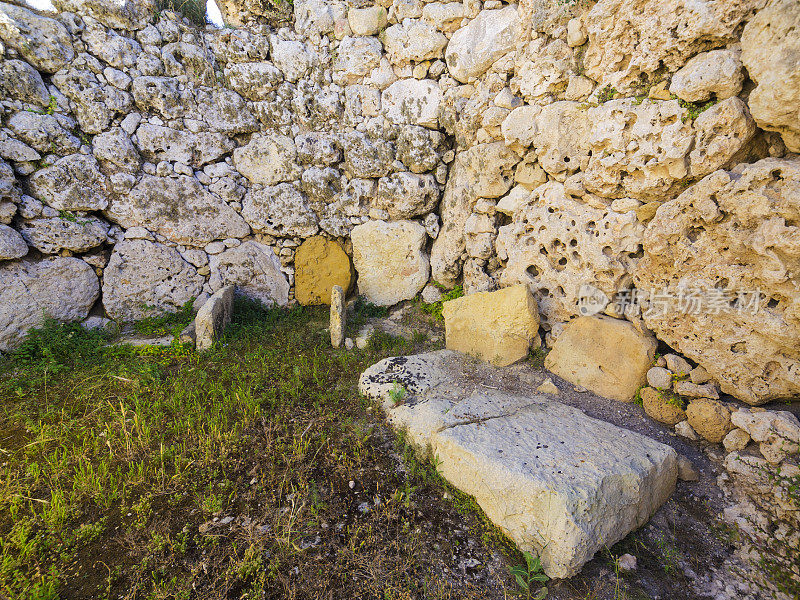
x,y
338,315
279,210
42,41
53,234
771,52
563,500
268,159
213,317
12,244
710,418
499,327
633,39
718,72
145,279
555,244
320,264
255,271
30,290
390,260
487,38
74,182
659,378
412,102
406,195
658,406
607,356
734,233
180,209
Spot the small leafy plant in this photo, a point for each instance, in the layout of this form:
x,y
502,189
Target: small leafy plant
x,y
435,308
529,575
398,393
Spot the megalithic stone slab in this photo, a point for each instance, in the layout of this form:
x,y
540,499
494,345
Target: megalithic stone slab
x,y
213,317
559,483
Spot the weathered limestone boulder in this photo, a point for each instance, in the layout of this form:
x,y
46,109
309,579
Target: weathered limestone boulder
x,y
74,182
710,418
145,279
776,432
267,159
293,58
366,157
406,195
61,288
43,132
279,210
412,102
555,244
725,239
42,41
319,265
771,51
718,72
12,244
638,150
94,103
355,58
630,40
119,14
253,80
559,483
544,67
77,233
499,327
178,208
413,40
416,148
485,170
607,356
115,151
390,260
721,132
161,94
317,149
20,81
117,50
159,143
487,38
255,271
660,406
367,21
213,317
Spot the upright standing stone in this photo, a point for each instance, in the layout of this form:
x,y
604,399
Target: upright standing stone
x,y
213,317
338,316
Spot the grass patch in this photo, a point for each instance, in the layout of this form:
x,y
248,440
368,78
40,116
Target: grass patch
x,y
167,323
254,469
435,308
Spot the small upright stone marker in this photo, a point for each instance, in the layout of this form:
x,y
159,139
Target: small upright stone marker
x,y
337,316
213,317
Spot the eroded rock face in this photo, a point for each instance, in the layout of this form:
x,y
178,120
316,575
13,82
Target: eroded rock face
x,y
120,14
412,102
279,210
321,264
771,51
718,72
557,482
159,143
487,38
267,159
77,233
255,271
30,290
145,279
555,244
74,182
390,260
607,356
180,209
406,195
42,41
12,244
631,40
732,233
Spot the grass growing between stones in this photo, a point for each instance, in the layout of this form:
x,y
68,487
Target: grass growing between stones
x,y
253,470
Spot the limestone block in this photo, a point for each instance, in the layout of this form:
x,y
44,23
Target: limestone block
x,y
115,150
560,484
660,406
279,210
486,39
12,244
159,143
213,317
225,111
293,58
445,16
120,14
160,94
406,195
93,103
30,290
413,40
145,279
338,316
43,132
390,260
178,208
367,21
735,234
253,80
555,244
736,440
77,233
718,72
255,271
355,58
367,157
42,41
319,265
543,67
74,182
416,148
499,327
412,102
20,81
780,430
607,356
771,52
267,159
722,131
710,418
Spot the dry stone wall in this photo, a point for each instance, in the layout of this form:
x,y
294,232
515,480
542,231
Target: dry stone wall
x,y
626,148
